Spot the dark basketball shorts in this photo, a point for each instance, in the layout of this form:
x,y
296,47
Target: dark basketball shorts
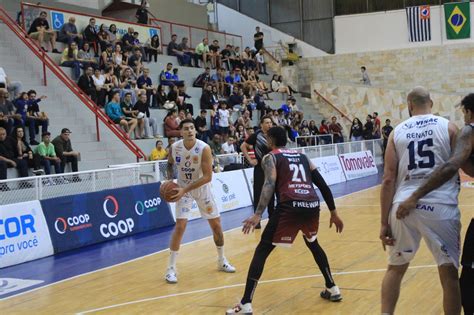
x,y
467,259
285,223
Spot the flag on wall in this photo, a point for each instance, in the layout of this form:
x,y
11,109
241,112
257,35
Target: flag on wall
x,y
458,20
419,23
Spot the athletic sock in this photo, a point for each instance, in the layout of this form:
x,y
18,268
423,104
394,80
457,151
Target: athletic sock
x,y
172,259
322,261
220,253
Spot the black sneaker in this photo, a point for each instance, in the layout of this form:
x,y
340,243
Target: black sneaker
x,y
34,142
56,51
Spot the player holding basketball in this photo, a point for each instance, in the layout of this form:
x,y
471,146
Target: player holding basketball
x,y
415,148
462,157
193,160
291,176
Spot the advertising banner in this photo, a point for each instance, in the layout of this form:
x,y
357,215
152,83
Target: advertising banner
x,y
330,168
80,220
24,234
358,164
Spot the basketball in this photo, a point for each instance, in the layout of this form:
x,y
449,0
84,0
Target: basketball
x,y
167,190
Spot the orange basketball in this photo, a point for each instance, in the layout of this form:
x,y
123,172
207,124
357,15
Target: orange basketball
x,y
167,190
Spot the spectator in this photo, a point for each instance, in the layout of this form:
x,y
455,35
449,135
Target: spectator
x,y
35,116
228,147
171,125
278,87
173,50
63,148
234,78
235,58
40,32
69,59
215,118
151,125
335,129
218,81
113,38
158,152
86,58
226,55
114,111
224,119
142,13
161,97
119,60
368,128
137,45
214,54
173,94
170,143
8,159
365,76
187,51
47,155
144,82
12,86
91,36
356,130
216,145
128,84
127,108
6,112
203,79
68,33
181,116
206,100
386,131
182,104
258,39
21,105
153,48
23,151
260,61
282,120
377,125
101,87
166,76
107,58
240,135
201,126
260,105
128,39
324,130
135,61
103,38
248,59
215,95
236,99
202,51
87,83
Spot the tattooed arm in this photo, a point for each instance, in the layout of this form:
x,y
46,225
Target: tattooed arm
x,y
462,151
268,189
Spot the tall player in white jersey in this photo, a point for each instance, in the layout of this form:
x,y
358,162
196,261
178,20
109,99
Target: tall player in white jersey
x,y
415,148
193,159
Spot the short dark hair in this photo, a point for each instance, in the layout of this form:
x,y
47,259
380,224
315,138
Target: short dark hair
x,y
278,136
31,92
363,68
186,121
203,111
387,120
113,93
158,142
169,64
128,93
376,114
468,102
174,35
265,117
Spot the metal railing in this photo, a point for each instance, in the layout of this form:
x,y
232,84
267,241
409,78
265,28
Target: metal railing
x,y
58,185
314,140
344,115
59,73
194,34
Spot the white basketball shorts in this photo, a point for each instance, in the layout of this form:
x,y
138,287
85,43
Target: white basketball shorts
x,y
205,202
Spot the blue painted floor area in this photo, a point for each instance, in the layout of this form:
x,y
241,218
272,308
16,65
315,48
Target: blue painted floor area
x,y
76,262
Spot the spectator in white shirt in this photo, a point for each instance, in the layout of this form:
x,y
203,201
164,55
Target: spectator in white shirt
x,y
224,119
14,87
365,76
261,65
228,147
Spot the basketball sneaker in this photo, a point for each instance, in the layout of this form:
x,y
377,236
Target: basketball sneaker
x,y
241,309
171,276
225,266
332,294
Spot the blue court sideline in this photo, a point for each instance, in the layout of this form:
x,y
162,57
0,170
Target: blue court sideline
x,y
92,258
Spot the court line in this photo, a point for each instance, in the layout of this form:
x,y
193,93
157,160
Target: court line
x,y
148,255
241,285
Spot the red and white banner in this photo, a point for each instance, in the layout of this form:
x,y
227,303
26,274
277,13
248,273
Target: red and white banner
x,y
358,164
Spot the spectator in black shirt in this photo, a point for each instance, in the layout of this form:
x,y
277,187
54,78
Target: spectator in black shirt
x,y
128,39
8,159
35,116
91,36
135,61
368,128
235,99
206,100
200,122
86,84
214,50
173,50
258,39
386,131
203,78
40,32
23,151
356,133
142,14
7,111
152,48
161,96
183,47
63,148
225,56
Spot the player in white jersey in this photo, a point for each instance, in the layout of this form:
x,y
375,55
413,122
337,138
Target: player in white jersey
x,y
415,148
193,160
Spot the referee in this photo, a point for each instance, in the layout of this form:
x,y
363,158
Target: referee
x,y
259,142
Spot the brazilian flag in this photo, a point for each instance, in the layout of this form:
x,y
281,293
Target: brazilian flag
x,y
458,20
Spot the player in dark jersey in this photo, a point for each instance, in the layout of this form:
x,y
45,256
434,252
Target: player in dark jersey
x,y
290,175
461,158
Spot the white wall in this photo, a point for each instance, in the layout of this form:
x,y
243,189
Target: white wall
x,y
387,30
234,22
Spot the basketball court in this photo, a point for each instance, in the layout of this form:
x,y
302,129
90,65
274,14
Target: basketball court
x,y
126,276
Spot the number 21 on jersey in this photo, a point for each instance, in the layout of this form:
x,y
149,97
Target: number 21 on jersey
x,y
297,171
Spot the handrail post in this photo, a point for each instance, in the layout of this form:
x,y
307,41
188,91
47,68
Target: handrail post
x,y
97,128
45,83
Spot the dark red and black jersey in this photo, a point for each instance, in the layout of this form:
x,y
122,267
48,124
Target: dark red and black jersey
x,y
293,184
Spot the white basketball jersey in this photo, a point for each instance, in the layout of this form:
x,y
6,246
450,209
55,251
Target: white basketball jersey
x,y
188,162
422,144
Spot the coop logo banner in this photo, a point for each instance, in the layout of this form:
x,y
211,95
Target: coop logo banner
x,y
85,219
24,234
358,164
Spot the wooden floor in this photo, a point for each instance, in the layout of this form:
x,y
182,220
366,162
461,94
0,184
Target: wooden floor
x,y
290,284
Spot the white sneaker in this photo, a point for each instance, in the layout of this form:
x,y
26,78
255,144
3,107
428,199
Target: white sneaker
x,y
225,266
171,276
333,294
240,309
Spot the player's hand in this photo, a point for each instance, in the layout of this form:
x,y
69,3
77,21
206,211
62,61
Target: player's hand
x,y
386,236
336,221
253,162
405,207
250,223
179,193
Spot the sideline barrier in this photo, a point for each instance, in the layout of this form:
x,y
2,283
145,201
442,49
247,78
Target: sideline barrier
x,y
24,234
358,164
330,169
